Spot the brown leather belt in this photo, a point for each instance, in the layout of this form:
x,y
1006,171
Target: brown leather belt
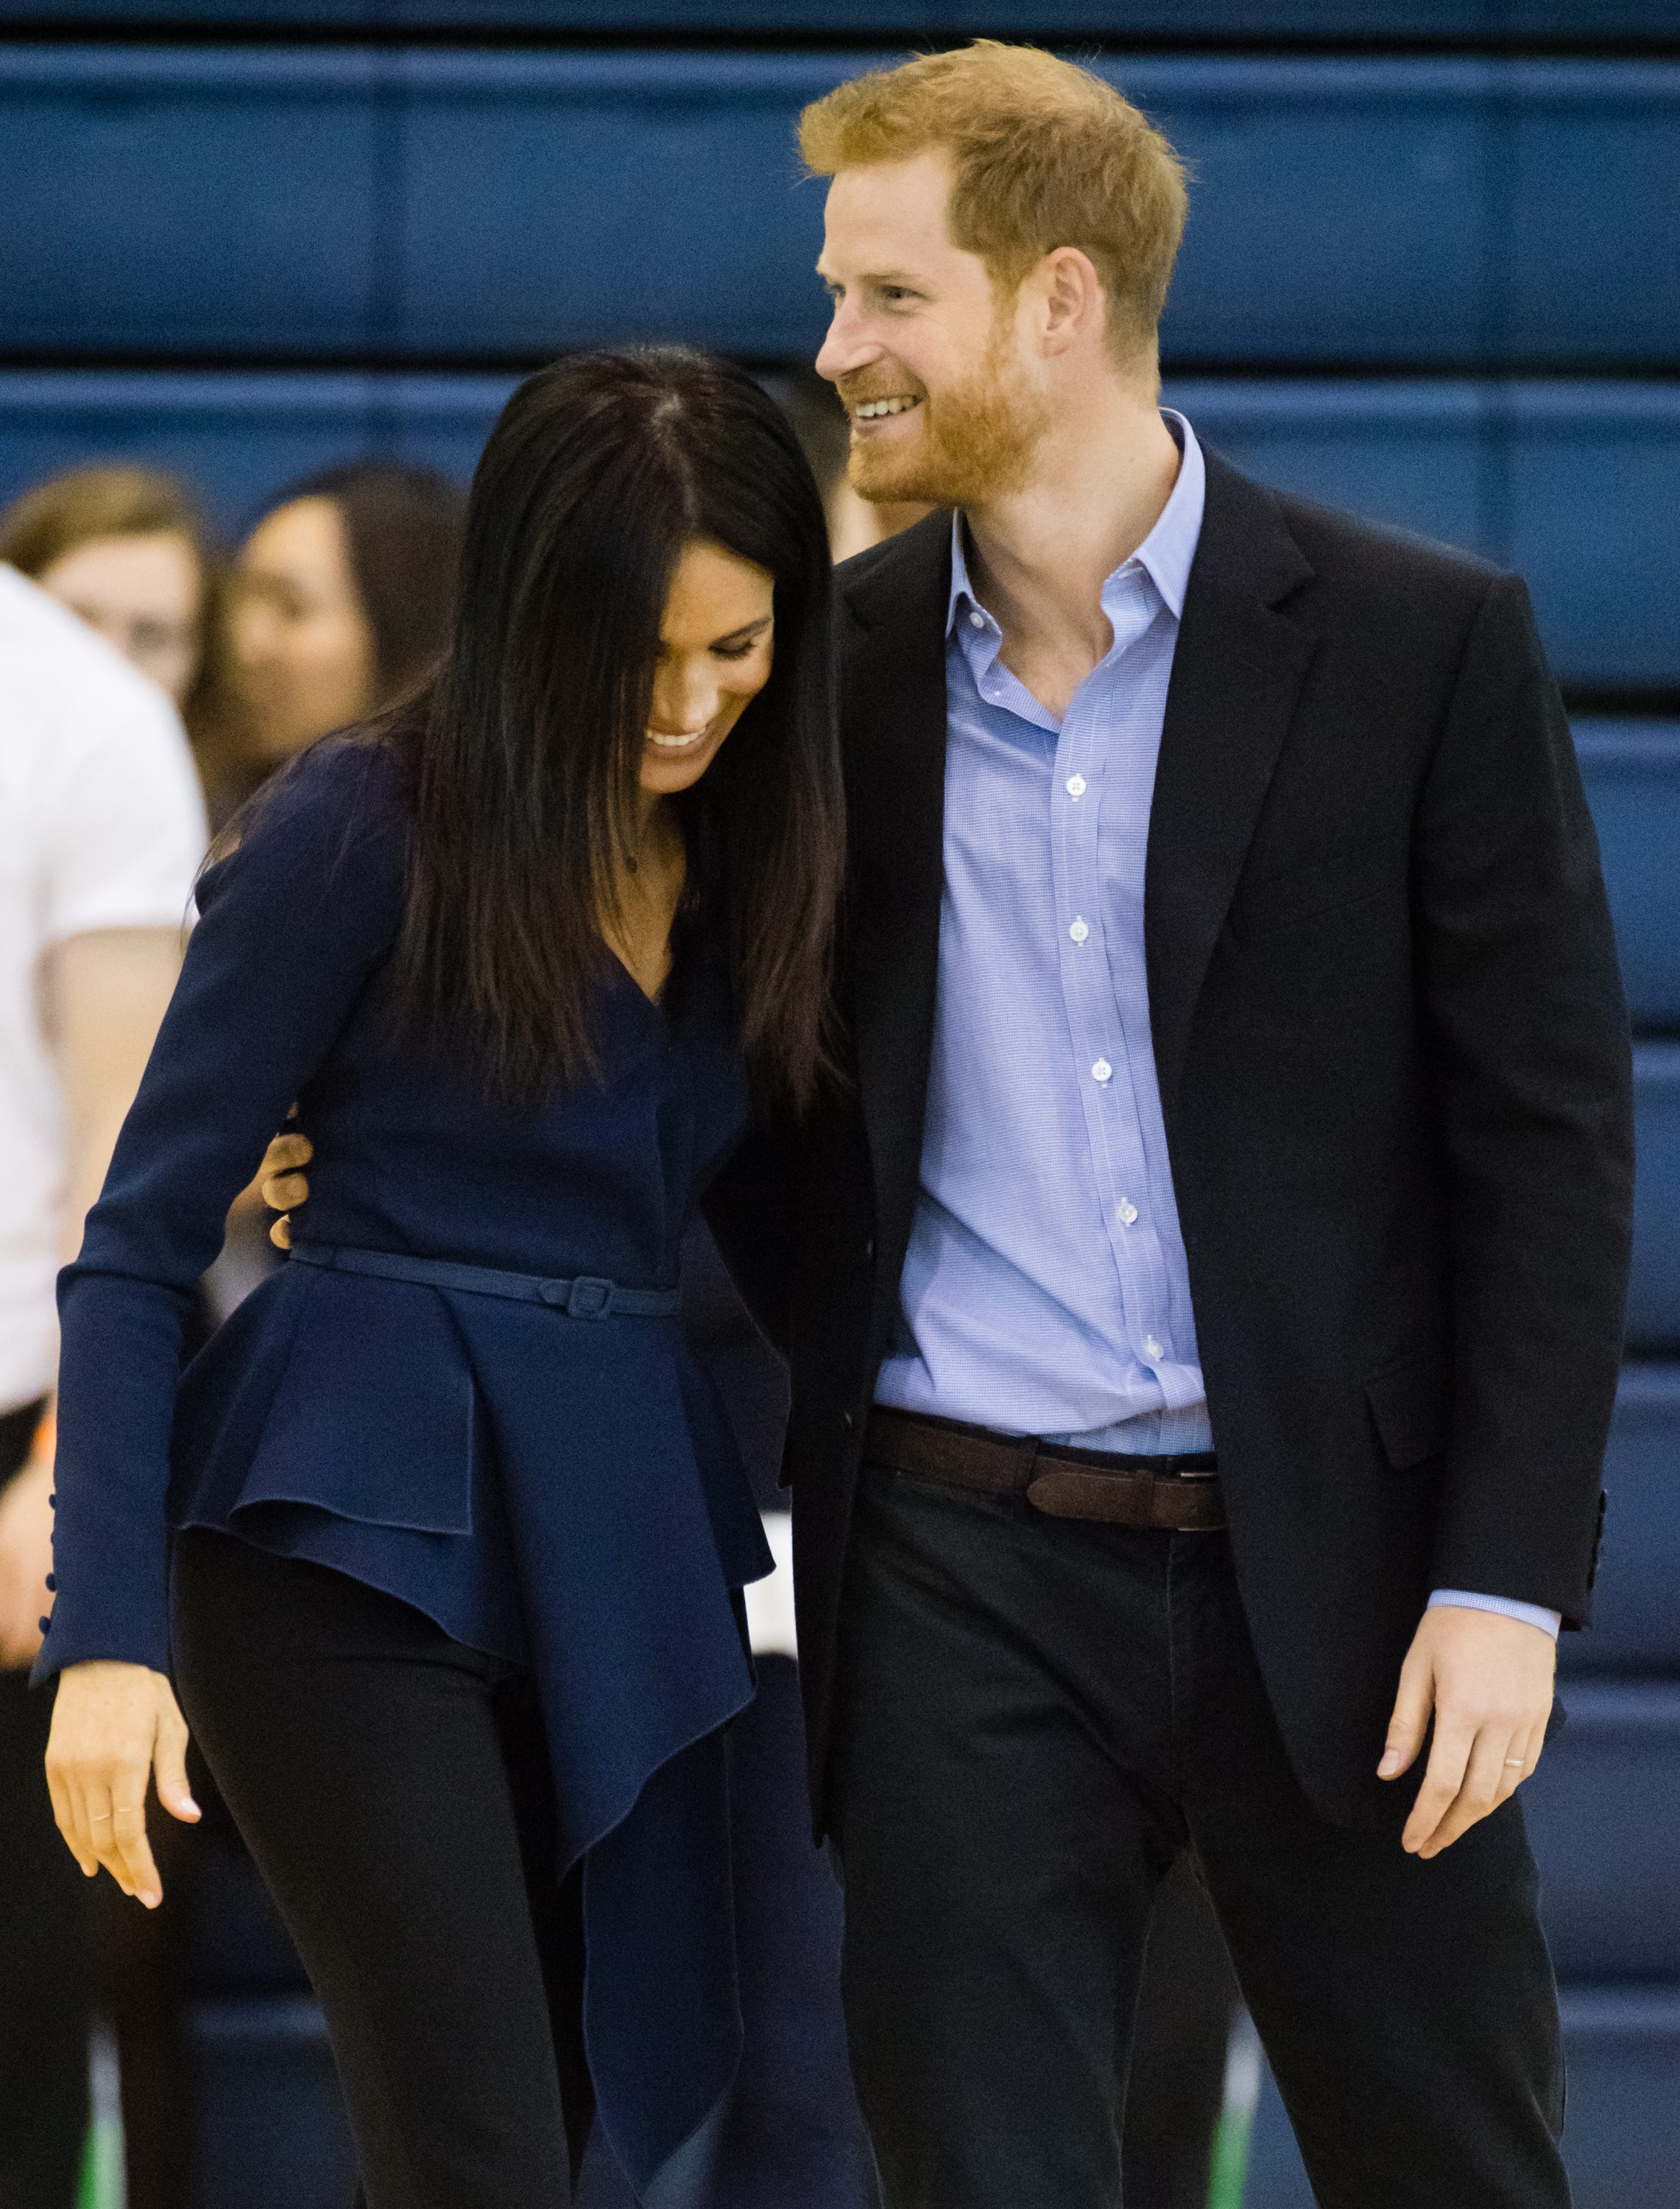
x,y
1175,1494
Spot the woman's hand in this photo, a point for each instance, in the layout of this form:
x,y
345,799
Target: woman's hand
x,y
113,1725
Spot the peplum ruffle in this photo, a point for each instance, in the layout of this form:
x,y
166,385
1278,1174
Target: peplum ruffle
x,y
374,1415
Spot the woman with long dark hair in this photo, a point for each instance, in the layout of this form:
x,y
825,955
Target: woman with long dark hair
x,y
442,1536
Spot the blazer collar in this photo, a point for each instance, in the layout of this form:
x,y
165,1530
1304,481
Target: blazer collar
x,y
1237,673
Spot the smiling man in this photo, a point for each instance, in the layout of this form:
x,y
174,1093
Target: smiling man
x,y
1204,1312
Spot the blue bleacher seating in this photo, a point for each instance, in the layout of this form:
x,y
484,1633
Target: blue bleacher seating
x,y
1602,1810
240,436
1632,773
1490,20
1621,2045
344,201
1493,466
1465,463
272,2133
1635,1629
1653,1295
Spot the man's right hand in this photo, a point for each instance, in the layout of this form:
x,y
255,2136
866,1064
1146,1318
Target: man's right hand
x,y
285,1185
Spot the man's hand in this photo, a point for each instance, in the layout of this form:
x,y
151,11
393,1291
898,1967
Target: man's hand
x,y
1488,1680
284,1185
25,1559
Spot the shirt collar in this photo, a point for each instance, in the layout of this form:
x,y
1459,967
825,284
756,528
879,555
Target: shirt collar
x,y
1165,554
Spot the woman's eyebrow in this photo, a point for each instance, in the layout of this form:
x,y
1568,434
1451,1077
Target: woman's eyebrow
x,y
746,628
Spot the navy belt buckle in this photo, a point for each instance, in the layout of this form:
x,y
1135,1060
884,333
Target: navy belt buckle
x,y
591,1297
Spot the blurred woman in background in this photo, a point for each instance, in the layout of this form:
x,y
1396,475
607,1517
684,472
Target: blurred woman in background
x,y
340,603
128,550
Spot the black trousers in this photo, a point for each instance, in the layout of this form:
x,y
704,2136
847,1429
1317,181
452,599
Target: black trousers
x,y
1037,1717
393,1788
44,1913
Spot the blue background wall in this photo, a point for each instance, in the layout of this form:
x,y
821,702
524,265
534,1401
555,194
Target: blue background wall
x,y
1432,273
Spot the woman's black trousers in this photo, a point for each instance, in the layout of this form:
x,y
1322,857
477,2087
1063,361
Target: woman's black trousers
x,y
393,1788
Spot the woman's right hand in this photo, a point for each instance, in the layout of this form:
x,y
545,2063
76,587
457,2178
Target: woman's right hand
x,y
113,1725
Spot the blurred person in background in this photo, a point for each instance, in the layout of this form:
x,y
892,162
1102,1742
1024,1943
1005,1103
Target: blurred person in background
x,y
821,425
127,549
340,604
103,829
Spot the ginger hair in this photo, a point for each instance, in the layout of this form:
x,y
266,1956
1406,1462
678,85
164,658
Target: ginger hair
x,y
1043,153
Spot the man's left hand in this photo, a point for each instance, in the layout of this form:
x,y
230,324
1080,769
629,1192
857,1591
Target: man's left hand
x,y
1488,1680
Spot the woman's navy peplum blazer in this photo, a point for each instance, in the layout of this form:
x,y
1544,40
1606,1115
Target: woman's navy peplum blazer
x,y
549,1483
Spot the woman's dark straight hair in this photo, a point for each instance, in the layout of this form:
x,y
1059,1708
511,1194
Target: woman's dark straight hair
x,y
526,750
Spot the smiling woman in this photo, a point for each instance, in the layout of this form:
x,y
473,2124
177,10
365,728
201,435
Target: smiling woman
x,y
547,928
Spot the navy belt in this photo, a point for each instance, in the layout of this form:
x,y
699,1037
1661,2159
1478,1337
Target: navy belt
x,y
588,1297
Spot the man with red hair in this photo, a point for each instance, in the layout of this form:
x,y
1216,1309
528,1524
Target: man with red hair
x,y
1205,1312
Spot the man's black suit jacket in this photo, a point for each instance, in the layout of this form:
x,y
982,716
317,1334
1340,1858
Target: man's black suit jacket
x,y
1394,1067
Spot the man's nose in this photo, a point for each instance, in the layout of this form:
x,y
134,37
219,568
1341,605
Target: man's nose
x,y
847,347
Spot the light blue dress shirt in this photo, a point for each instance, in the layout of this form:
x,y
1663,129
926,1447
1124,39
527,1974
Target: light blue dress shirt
x,y
1045,1288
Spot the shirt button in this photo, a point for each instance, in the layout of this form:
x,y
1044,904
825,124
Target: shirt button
x,y
1075,785
1101,1070
976,618
1128,1212
1153,1346
1079,931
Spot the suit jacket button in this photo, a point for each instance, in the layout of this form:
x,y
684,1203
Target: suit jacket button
x,y
848,1423
868,1246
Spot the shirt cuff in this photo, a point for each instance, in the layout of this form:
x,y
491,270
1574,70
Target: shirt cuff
x,y
1531,1614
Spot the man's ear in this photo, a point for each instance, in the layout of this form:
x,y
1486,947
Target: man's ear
x,y
1071,304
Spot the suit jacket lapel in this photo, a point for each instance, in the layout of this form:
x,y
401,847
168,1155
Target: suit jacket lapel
x,y
1235,675
892,673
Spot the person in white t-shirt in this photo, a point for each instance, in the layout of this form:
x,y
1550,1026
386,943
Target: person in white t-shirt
x,y
101,833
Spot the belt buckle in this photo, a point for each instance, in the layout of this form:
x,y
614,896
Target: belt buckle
x,y
591,1297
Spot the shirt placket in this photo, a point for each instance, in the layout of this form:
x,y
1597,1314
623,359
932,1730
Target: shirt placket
x,y
1105,1047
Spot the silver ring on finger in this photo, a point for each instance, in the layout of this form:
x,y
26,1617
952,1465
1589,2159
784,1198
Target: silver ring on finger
x,y
1518,1761
101,1818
